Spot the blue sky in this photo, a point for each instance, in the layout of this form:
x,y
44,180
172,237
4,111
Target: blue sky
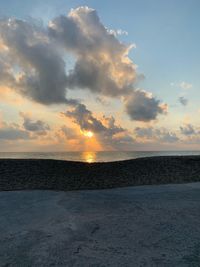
x,y
166,34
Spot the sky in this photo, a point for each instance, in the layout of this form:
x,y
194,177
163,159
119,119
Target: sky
x,y
99,75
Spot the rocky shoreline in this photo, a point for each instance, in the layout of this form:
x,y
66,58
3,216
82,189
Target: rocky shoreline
x,y
27,174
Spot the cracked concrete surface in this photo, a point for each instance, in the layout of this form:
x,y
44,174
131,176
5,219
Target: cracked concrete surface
x,y
134,226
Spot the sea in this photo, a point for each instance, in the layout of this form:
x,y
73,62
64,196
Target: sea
x,y
92,157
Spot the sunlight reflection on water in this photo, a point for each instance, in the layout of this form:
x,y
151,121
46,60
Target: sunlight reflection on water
x,y
89,157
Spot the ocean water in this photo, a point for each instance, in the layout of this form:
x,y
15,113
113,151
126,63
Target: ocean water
x,y
91,157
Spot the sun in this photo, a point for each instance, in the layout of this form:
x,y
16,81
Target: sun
x,y
88,134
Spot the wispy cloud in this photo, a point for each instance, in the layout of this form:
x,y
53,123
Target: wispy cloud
x,y
118,32
183,85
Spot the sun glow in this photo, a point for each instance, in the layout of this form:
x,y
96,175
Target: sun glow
x,y
88,134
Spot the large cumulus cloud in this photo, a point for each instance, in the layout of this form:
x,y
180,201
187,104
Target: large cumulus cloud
x,y
102,63
36,62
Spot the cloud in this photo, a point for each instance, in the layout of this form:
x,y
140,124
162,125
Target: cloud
x,y
33,61
5,72
102,64
118,32
168,137
33,64
85,119
111,127
38,126
188,130
69,133
183,100
182,85
13,132
102,100
30,129
105,129
142,106
161,135
185,85
144,132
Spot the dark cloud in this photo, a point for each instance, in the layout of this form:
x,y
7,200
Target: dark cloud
x,y
144,132
40,68
183,100
142,106
13,132
106,130
152,134
122,142
37,126
168,137
85,119
187,130
35,65
111,127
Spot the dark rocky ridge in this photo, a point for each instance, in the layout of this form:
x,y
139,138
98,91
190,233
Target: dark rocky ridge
x,y
18,174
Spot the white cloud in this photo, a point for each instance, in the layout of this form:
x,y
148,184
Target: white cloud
x,y
185,85
118,32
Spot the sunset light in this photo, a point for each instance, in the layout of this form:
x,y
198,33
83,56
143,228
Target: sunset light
x,y
100,114
88,134
75,81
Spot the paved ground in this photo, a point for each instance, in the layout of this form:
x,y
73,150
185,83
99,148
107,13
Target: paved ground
x,y
135,226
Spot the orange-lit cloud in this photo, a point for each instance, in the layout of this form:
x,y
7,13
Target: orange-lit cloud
x,y
103,130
